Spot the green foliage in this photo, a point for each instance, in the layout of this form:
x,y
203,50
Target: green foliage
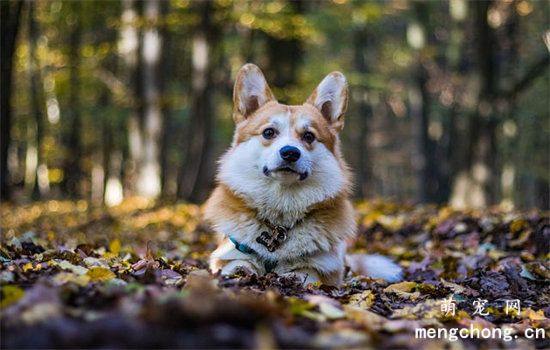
x,y
368,40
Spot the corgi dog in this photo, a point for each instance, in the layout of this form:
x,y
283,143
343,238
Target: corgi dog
x,y
282,198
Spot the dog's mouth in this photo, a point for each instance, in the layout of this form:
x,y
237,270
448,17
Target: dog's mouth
x,y
286,170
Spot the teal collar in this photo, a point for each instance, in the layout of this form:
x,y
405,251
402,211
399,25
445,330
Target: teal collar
x,y
241,247
245,249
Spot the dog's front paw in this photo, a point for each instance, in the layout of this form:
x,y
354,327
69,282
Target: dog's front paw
x,y
239,267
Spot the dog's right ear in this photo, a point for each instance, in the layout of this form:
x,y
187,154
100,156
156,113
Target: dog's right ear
x,y
250,92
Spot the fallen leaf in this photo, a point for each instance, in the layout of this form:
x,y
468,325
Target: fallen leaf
x,y
100,274
65,265
425,310
10,295
67,277
362,300
537,270
91,262
533,315
403,289
114,246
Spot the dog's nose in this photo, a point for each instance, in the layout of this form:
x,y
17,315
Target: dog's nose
x,y
290,153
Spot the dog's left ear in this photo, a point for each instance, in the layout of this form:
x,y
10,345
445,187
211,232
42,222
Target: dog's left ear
x,y
330,97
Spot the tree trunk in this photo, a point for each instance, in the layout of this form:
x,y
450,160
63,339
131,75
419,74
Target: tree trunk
x,y
363,118
129,47
456,133
41,185
149,170
509,155
72,167
168,139
427,179
475,185
9,26
426,157
195,171
109,126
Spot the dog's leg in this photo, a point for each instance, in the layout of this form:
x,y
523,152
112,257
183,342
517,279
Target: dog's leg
x,y
231,267
229,261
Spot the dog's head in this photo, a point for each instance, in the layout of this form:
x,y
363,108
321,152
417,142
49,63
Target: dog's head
x,y
283,147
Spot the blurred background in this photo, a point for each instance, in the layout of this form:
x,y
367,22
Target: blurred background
x,y
107,100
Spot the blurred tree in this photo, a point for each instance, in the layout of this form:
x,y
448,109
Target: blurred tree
x,y
456,62
477,181
129,48
165,75
39,183
425,161
474,183
362,40
149,170
193,182
10,12
440,101
108,145
72,169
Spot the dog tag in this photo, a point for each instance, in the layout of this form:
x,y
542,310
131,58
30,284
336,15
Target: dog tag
x,y
266,240
273,241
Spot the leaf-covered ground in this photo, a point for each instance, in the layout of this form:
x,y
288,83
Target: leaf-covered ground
x,y
136,276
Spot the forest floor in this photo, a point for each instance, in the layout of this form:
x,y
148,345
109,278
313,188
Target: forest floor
x,y
136,276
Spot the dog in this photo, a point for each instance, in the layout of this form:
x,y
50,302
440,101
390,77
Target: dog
x,y
281,203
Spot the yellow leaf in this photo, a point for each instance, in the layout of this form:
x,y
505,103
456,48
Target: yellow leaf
x,y
391,222
27,267
365,317
403,289
114,246
428,309
298,306
533,315
517,225
10,295
362,300
100,274
371,218
405,286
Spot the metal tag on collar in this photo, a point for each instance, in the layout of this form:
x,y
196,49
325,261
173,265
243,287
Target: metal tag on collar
x,y
274,240
269,241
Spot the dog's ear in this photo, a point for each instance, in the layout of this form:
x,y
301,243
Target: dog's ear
x,y
330,97
250,92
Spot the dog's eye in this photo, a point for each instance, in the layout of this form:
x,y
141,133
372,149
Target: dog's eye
x,y
269,133
308,137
